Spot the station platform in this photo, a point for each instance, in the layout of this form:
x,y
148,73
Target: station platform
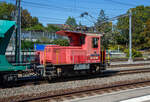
x,y
131,95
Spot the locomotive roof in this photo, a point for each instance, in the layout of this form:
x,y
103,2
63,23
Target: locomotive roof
x,y
69,33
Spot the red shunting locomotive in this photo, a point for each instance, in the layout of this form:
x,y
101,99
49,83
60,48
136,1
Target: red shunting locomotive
x,y
83,55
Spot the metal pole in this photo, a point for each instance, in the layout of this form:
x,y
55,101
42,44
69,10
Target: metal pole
x,y
130,37
20,55
16,36
19,31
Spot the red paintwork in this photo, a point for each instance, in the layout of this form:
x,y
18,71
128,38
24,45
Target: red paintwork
x,y
73,54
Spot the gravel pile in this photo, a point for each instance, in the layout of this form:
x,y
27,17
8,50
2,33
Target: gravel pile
x,y
65,85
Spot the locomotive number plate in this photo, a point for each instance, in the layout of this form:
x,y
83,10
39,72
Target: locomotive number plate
x,y
81,66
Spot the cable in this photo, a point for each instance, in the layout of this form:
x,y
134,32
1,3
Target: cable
x,y
79,7
49,6
52,18
121,3
65,8
38,6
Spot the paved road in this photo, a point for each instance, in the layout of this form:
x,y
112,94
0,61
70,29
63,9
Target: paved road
x,y
131,95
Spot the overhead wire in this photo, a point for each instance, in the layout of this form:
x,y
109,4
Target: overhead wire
x,y
121,3
81,7
64,8
69,9
41,5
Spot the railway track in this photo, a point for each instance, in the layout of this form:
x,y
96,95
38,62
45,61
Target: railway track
x,y
107,73
64,95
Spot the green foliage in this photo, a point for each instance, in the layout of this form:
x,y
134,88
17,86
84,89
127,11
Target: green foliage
x,y
135,53
30,23
27,45
104,28
52,28
37,27
140,28
146,35
71,22
100,26
6,11
61,42
115,47
45,40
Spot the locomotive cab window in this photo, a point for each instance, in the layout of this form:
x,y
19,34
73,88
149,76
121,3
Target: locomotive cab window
x,y
95,42
82,40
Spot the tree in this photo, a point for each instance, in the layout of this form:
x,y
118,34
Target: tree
x,y
140,16
29,22
100,26
146,35
61,42
71,22
6,11
25,19
104,28
37,27
52,28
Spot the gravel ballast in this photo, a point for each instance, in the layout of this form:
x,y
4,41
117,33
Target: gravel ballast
x,y
27,90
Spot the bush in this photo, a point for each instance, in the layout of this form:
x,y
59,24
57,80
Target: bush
x,y
61,42
115,47
135,53
27,45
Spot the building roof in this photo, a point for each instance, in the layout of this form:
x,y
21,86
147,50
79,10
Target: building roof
x,y
5,25
70,33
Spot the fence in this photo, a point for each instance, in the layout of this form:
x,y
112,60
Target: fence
x,y
34,36
28,56
38,35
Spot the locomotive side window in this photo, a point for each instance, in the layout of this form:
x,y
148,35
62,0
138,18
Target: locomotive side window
x,y
95,42
70,39
82,40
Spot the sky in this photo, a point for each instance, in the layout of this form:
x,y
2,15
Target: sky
x,y
57,11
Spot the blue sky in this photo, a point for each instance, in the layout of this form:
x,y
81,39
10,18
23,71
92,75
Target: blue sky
x,y
57,11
